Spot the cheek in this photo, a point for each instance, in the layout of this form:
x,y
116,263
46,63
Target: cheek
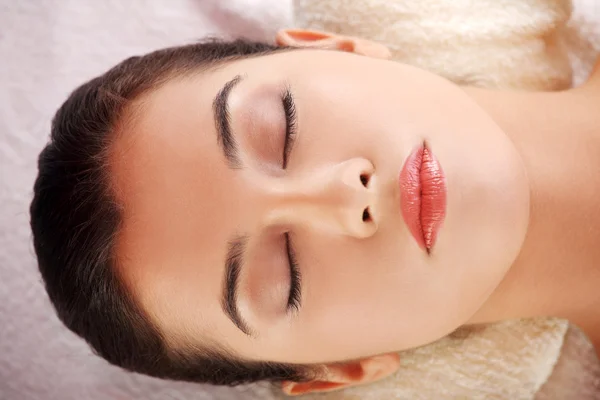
x,y
377,296
338,123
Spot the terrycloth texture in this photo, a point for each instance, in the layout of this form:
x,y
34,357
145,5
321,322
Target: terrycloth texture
x,y
490,43
522,44
577,372
582,38
470,364
518,44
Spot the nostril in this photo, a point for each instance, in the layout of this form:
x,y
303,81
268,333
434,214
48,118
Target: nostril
x,y
364,179
366,216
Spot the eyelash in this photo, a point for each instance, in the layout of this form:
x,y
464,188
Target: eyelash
x,y
289,107
295,292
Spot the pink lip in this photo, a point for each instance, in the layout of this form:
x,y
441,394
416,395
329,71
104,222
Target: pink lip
x,y
423,196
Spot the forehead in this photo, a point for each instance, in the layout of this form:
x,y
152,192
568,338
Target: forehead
x,y
172,181
179,197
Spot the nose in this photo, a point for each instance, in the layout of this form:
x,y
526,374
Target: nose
x,y
339,198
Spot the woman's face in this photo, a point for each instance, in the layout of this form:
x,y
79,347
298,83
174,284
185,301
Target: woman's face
x,y
239,236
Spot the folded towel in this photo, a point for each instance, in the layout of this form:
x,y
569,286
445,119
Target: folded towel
x,y
491,43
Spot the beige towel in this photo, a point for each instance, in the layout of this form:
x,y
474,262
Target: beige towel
x,y
491,43
521,44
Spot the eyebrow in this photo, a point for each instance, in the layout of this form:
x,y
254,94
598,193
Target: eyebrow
x,y
233,265
222,119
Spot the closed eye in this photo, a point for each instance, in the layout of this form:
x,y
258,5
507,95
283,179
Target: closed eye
x,y
291,124
295,295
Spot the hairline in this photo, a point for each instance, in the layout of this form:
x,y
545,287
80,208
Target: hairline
x,y
130,114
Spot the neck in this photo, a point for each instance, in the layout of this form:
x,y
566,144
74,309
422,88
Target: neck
x,y
558,270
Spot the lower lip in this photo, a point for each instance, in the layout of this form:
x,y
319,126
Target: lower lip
x,y
423,196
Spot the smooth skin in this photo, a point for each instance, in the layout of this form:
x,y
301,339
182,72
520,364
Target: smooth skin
x,y
519,238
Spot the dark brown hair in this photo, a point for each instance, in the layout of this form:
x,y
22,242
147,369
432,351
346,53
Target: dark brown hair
x,y
75,219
